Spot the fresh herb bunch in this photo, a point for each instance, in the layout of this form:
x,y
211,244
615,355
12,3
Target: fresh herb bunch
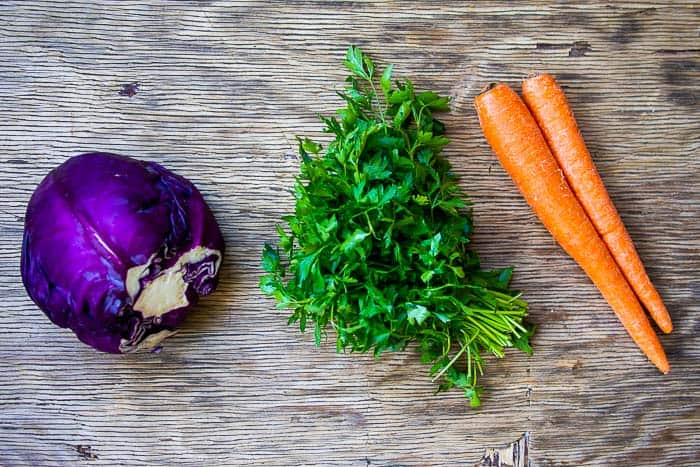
x,y
379,239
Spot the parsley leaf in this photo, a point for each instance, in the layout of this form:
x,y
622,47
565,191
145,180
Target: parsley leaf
x,y
377,247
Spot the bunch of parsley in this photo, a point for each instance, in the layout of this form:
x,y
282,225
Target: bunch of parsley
x,y
378,248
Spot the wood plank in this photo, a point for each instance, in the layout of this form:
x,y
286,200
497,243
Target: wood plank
x,y
223,90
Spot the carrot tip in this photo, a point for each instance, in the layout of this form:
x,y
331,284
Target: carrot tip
x,y
487,88
535,75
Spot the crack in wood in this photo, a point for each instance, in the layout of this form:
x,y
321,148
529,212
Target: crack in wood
x,y
516,454
576,49
85,452
130,89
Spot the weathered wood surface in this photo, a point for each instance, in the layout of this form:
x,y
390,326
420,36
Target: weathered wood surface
x,y
223,89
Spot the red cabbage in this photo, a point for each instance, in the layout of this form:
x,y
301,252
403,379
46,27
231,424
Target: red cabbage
x,y
118,250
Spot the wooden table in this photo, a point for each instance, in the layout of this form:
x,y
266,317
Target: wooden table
x,y
222,91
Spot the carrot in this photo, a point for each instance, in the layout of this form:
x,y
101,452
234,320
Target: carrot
x,y
550,108
518,143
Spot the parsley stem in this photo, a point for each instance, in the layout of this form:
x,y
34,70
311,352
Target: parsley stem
x,y
369,224
379,104
469,362
454,359
446,367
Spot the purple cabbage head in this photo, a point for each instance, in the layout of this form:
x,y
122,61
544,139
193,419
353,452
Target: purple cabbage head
x,y
118,250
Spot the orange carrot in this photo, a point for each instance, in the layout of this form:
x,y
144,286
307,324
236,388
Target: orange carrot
x,y
518,143
550,108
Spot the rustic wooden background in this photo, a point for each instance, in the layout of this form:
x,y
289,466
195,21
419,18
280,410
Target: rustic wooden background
x,y
223,88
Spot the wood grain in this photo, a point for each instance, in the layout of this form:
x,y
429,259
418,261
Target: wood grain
x,y
223,88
